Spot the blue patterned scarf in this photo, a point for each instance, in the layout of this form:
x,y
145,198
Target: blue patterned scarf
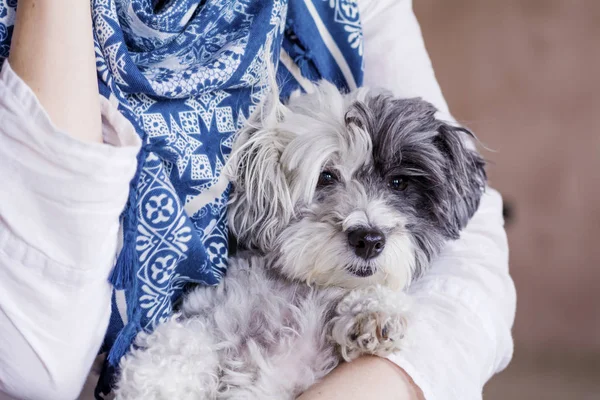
x,y
187,74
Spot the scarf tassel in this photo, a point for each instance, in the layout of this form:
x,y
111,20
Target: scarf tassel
x,y
123,274
124,341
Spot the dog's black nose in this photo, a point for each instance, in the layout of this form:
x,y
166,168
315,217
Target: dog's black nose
x,y
367,243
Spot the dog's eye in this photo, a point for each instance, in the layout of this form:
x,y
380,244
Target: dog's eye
x,y
326,178
398,183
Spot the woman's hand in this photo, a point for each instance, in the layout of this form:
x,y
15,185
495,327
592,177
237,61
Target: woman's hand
x,y
52,50
365,378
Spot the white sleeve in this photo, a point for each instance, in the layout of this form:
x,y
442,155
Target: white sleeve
x,y
460,334
60,201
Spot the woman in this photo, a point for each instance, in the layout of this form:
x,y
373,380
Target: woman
x,y
64,192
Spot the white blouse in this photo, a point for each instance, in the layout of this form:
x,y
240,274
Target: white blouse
x,y
59,227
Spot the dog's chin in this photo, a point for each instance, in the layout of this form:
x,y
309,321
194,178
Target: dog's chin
x,y
381,272
350,278
352,275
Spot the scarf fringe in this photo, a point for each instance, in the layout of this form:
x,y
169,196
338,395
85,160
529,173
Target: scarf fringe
x,y
124,341
123,274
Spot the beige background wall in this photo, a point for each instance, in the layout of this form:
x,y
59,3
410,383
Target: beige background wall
x,y
525,75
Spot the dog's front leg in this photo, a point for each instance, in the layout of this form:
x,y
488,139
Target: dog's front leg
x,y
370,321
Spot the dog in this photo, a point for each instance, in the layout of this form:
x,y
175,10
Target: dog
x,y
339,202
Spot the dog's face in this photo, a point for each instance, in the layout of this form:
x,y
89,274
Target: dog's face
x,y
352,190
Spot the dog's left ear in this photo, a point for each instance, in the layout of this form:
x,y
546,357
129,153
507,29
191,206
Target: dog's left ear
x,y
465,177
261,204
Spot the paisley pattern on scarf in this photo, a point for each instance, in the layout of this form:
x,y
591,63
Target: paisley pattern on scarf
x,y
188,75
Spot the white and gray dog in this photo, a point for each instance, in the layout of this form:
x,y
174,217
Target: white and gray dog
x,y
340,200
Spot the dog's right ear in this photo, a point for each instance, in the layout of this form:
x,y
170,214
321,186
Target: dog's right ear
x,y
261,204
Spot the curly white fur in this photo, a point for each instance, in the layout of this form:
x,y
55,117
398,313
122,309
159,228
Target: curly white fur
x,y
259,336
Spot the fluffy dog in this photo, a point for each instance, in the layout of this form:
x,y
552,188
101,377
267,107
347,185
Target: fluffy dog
x,y
340,201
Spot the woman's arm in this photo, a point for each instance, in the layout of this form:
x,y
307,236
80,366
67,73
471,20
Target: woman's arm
x,y
62,194
461,334
52,50
59,221
365,378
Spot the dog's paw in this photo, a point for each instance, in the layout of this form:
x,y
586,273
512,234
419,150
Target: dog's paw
x,y
366,323
376,333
